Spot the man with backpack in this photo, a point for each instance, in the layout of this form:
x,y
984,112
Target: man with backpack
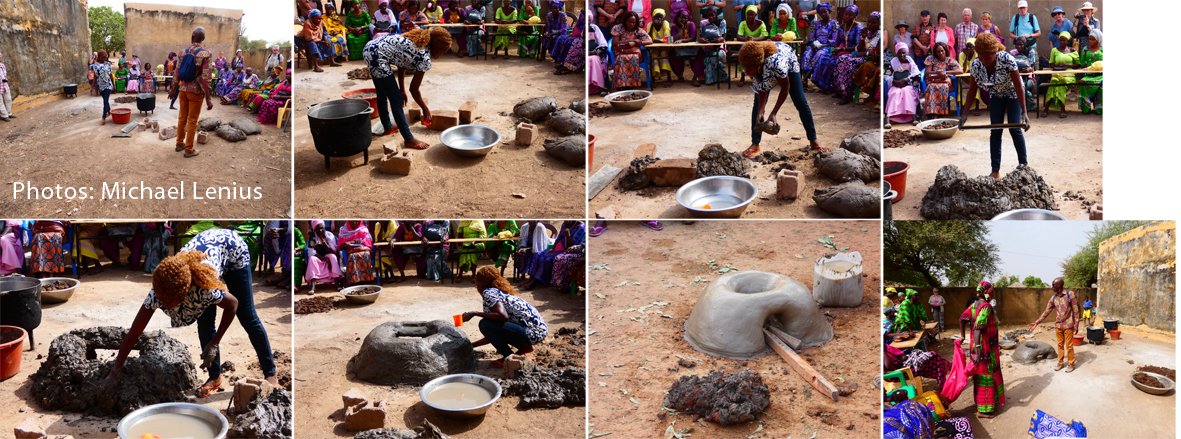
x,y
191,85
1024,25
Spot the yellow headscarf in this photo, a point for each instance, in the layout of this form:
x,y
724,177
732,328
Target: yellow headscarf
x,y
664,29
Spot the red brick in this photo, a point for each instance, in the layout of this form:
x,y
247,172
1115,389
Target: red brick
x,y
672,172
647,149
399,163
415,113
526,132
390,147
441,120
788,184
1097,212
366,416
467,112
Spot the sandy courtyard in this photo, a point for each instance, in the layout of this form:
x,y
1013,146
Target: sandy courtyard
x,y
681,120
327,341
62,143
634,358
112,299
442,184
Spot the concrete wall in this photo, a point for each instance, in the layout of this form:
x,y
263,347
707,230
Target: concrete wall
x,y
1014,306
257,58
155,30
46,43
1002,13
1138,276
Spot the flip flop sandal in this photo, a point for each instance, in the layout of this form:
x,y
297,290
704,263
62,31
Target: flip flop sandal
x,y
205,391
596,231
498,364
750,151
653,225
419,145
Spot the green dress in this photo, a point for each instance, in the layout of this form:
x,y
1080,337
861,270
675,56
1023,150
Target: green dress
x,y
502,251
527,41
1090,97
1059,93
474,229
776,29
502,32
908,315
300,258
744,31
121,80
356,43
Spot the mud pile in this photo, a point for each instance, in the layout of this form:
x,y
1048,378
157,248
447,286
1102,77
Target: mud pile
x,y
843,165
1170,373
266,417
548,388
715,160
425,431
317,304
412,353
866,143
567,349
720,397
898,139
634,178
850,200
73,379
361,73
1033,351
955,196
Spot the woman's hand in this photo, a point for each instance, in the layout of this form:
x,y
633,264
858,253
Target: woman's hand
x,y
427,119
208,355
468,315
776,37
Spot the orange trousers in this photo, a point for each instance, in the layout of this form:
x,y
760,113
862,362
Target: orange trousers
x,y
186,124
1065,335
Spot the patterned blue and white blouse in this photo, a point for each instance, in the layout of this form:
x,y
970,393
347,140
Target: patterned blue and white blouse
x,y
102,76
397,50
224,250
999,84
519,312
776,67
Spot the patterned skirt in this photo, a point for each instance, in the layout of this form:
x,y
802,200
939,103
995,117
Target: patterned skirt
x,y
715,67
627,71
826,64
576,56
542,265
338,45
954,428
847,66
356,45
269,112
359,268
47,253
564,267
928,364
936,97
1090,97
869,79
812,57
527,43
989,391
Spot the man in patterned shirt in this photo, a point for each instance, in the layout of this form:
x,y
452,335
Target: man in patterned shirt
x,y
5,93
1065,324
965,30
921,38
191,93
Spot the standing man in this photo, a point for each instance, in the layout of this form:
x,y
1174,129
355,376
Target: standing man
x,y
965,30
191,93
1024,25
921,38
1065,324
1061,24
937,302
5,93
1088,313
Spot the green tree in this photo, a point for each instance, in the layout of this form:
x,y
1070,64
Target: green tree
x,y
1081,269
921,253
1034,282
106,29
1005,281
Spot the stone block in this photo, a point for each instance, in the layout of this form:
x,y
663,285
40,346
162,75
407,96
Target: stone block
x,y
444,119
518,363
415,113
353,397
467,112
526,132
647,149
672,172
390,147
28,430
609,213
168,133
245,390
1096,212
366,416
202,137
788,184
398,163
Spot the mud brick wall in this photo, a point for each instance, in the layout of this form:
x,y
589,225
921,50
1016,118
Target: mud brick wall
x,y
1014,306
155,30
257,58
46,43
1002,15
1138,276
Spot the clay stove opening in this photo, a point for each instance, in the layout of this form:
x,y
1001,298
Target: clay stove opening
x,y
754,282
415,330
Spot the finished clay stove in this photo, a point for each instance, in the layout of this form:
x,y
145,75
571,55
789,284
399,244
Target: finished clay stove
x,y
412,353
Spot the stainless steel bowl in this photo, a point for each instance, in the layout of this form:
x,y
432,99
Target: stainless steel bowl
x,y
1165,381
58,296
1029,214
361,299
628,105
470,140
727,196
945,133
479,380
207,415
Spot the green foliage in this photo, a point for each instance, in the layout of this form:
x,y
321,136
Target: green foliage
x,y
106,30
1081,269
1005,281
921,253
1034,282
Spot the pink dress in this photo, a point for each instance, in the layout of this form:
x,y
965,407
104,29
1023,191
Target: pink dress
x,y
319,270
12,255
902,103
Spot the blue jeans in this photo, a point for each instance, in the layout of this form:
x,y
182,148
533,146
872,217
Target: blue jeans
x,y
239,284
997,110
797,98
503,334
106,103
389,90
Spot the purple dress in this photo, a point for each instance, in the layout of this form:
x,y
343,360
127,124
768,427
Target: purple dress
x,y
555,23
824,34
694,55
827,62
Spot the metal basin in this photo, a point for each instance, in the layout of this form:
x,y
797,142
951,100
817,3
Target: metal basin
x,y
470,140
479,380
20,304
341,128
628,105
1029,214
1008,344
727,196
58,296
207,415
361,299
1165,381
940,134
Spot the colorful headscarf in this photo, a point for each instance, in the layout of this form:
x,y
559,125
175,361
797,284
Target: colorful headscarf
x,y
853,8
314,13
898,47
1064,34
783,7
749,8
314,223
555,4
1098,36
910,293
826,6
876,14
985,288
891,290
665,28
359,233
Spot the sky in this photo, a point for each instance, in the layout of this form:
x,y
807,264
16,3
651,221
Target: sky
x,y
1037,247
264,19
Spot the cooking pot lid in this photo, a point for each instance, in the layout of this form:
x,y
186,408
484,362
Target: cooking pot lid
x,y
17,283
70,85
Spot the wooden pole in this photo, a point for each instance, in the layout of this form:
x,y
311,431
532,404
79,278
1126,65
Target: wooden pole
x,y
800,366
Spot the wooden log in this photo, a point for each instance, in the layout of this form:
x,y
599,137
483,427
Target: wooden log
x,y
800,366
792,342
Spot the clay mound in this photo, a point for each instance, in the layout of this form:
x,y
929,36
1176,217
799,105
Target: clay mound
x,y
850,200
566,349
124,99
316,304
579,106
634,178
1033,351
209,123
570,149
842,165
361,73
230,133
73,379
954,196
425,431
720,397
412,353
247,126
267,417
866,143
548,388
535,109
898,139
568,122
715,160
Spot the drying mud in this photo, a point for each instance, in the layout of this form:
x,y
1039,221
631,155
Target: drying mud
x,y
1146,380
1033,351
363,291
629,97
725,398
361,73
955,196
73,379
715,160
412,353
266,417
1168,373
425,431
943,125
548,388
56,286
567,349
900,138
850,200
634,177
317,304
843,165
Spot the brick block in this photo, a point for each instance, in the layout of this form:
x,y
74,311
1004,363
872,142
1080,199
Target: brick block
x,y
647,149
444,119
672,172
390,147
28,430
788,184
526,132
517,363
246,390
415,113
202,137
609,213
366,416
353,397
1097,212
467,112
398,163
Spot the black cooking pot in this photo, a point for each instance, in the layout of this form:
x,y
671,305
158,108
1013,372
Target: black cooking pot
x,y
145,102
1111,324
20,304
70,89
341,128
1095,334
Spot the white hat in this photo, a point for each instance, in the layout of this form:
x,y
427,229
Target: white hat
x,y
1087,5
1022,4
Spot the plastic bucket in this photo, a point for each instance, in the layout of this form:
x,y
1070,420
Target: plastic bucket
x,y
121,115
12,341
895,174
372,100
1078,339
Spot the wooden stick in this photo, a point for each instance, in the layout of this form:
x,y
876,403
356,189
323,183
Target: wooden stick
x,y
800,366
792,342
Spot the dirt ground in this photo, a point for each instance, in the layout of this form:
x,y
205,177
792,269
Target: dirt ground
x,y
62,143
630,361
112,298
327,341
1099,392
673,120
442,184
1067,153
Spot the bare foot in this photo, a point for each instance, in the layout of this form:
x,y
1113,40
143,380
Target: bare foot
x,y
273,380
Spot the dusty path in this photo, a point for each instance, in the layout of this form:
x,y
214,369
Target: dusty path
x,y
442,184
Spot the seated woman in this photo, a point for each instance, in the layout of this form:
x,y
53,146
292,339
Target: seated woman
x,y
323,265
822,40
556,27
1090,92
596,67
508,321
357,243
121,78
542,266
751,29
845,40
573,52
500,252
133,77
940,69
433,12
927,364
268,110
12,253
409,231
474,14
87,251
467,259
357,22
334,34
453,14
783,22
225,80
567,265
435,255
535,240
684,30
902,98
385,20
48,237
249,81
505,14
713,30
314,41
528,37
660,31
849,64
411,18
965,58
247,96
1062,56
627,38
147,80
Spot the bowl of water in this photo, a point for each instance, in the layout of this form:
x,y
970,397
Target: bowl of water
x,y
719,196
470,140
1029,214
174,420
461,396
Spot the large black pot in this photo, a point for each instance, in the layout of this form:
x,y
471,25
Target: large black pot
x,y
70,89
1095,334
20,304
341,128
1111,324
145,102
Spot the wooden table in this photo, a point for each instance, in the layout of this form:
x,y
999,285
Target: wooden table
x,y
488,41
1041,97
914,341
672,46
377,257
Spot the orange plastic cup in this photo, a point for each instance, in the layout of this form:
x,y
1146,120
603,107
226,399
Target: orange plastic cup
x,y
458,319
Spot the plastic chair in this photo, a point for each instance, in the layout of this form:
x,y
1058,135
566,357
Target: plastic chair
x,y
907,380
931,400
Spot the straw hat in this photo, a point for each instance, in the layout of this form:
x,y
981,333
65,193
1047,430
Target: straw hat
x,y
1087,5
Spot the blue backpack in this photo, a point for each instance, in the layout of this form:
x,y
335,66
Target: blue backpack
x,y
188,70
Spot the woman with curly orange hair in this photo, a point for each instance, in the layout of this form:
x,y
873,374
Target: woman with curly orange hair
x,y
211,271
411,51
508,321
771,64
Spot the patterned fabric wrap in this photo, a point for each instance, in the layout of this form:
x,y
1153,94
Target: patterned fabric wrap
x,y
928,364
907,420
359,268
224,250
47,253
954,428
1044,426
989,383
195,302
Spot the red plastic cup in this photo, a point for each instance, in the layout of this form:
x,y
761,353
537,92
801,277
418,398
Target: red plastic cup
x,y
458,319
